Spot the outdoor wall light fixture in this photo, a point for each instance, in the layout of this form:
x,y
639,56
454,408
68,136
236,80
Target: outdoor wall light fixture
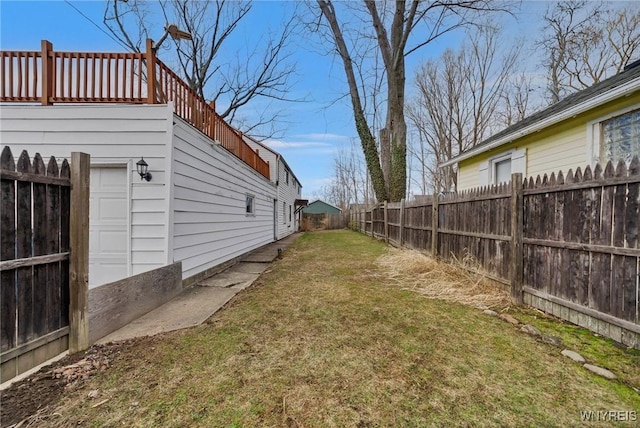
x,y
142,168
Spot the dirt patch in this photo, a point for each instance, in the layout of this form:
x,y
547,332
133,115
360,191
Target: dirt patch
x,y
461,281
32,401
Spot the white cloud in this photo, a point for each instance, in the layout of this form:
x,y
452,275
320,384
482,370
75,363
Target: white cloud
x,y
313,141
278,144
323,137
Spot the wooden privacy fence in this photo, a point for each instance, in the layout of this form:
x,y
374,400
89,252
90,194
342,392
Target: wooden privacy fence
x,y
567,244
43,281
323,221
49,77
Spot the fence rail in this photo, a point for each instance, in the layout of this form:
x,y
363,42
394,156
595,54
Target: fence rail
x,y
567,244
50,77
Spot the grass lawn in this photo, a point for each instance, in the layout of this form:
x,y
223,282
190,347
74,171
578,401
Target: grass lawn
x,y
323,340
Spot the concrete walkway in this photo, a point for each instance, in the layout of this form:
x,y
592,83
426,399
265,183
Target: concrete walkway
x,y
196,304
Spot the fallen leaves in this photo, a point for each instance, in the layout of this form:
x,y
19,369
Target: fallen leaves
x,y
82,369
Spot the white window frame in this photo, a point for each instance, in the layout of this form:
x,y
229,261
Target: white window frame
x,y
594,134
493,177
250,210
518,159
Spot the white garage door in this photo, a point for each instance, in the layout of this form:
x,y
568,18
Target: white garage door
x,y
108,225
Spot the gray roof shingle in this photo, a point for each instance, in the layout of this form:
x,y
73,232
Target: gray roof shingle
x,y
631,72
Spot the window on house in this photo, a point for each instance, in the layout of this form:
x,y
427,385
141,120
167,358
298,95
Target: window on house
x,y
620,137
289,213
250,205
498,169
286,177
284,213
502,171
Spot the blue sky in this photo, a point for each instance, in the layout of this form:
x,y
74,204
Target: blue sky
x,y
316,129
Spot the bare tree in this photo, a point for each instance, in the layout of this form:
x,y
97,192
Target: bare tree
x,y
349,182
390,26
461,100
439,116
421,160
585,42
516,100
265,71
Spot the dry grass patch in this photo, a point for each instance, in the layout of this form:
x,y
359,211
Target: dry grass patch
x,y
461,281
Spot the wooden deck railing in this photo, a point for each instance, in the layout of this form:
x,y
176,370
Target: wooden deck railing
x,y
49,77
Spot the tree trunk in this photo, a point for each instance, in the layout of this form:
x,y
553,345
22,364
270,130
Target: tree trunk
x,y
385,155
370,155
366,137
396,123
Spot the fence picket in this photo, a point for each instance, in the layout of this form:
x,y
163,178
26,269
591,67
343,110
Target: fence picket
x,y
39,248
7,252
53,246
25,313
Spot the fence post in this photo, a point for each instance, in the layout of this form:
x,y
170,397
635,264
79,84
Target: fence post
x,y
79,257
401,221
48,82
373,210
151,73
435,214
212,120
386,223
364,220
517,206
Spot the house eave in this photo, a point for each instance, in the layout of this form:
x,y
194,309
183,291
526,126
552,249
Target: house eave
x,y
619,92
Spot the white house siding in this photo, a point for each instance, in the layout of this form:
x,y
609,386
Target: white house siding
x,y
210,225
287,195
287,192
114,136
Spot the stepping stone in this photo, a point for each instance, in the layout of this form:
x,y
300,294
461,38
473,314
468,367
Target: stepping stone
x,y
508,318
529,329
573,355
552,340
600,371
245,267
228,279
490,312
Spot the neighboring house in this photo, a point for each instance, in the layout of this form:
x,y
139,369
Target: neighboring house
x,y
321,207
597,124
289,189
